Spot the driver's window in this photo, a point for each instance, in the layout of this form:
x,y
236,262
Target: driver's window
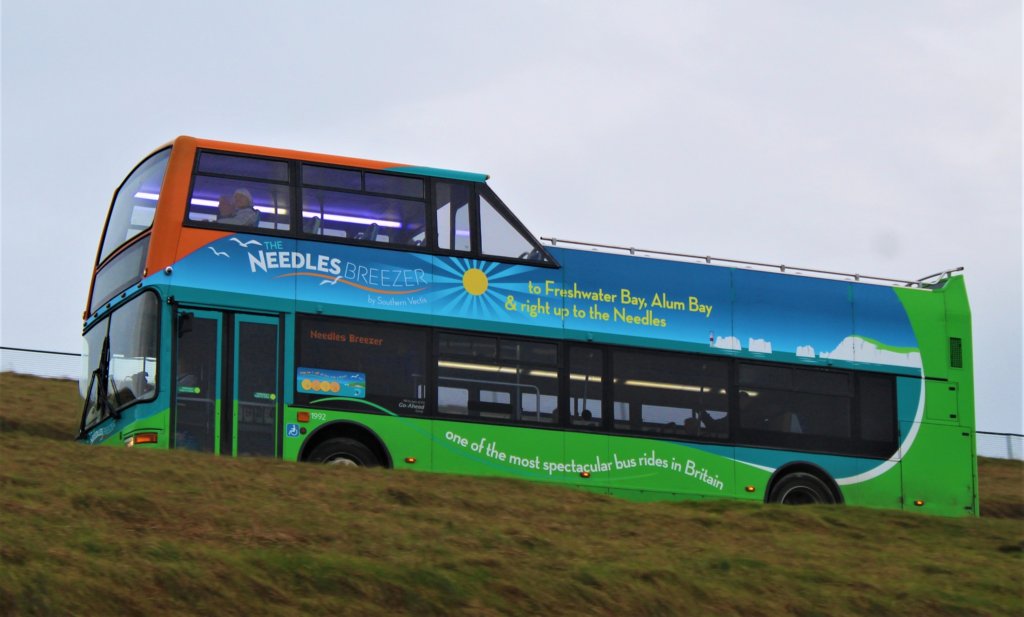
x,y
134,345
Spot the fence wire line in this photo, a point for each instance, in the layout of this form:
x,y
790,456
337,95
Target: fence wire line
x,y
67,365
40,362
43,351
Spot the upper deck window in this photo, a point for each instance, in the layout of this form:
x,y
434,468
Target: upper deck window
x,y
394,185
370,207
499,237
332,177
352,204
243,166
135,203
451,206
241,191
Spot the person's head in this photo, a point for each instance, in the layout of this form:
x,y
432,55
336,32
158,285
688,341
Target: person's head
x,y
242,199
226,208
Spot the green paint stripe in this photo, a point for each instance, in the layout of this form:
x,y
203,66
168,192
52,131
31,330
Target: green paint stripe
x,y
441,173
885,347
354,400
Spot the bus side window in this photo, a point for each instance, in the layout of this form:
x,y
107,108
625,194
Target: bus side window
x,y
586,383
657,392
498,379
380,363
451,207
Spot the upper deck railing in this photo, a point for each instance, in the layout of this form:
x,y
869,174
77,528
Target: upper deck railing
x,y
924,282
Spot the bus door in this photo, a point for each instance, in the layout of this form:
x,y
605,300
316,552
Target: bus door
x,y
256,378
197,381
227,382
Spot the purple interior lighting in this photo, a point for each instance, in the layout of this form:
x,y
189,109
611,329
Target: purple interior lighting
x,y
340,218
359,220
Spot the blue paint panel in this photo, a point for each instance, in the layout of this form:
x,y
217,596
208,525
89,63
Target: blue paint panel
x,y
879,314
796,316
222,274
672,304
593,296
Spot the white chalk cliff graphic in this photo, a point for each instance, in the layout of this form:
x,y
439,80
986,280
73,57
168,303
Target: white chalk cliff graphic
x,y
805,351
727,342
857,349
759,345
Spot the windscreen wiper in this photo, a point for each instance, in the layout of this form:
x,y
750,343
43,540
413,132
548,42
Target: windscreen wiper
x,y
101,379
88,401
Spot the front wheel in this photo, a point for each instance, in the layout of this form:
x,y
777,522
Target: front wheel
x,y
801,489
343,451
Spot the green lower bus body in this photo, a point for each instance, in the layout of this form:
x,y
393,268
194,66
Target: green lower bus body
x,y
933,469
930,477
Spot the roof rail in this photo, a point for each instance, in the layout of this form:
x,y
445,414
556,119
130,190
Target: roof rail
x,y
924,282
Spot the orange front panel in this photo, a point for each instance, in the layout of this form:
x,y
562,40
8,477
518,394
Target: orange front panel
x,y
173,204
291,154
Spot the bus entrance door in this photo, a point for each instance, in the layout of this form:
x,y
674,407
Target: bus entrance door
x,y
256,377
227,376
197,381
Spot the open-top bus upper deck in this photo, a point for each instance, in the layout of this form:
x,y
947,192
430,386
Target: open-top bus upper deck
x,y
455,251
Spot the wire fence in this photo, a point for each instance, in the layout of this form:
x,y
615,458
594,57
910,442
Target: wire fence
x,y
41,363
66,365
1000,445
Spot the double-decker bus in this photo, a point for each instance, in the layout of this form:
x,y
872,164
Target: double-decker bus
x,y
257,301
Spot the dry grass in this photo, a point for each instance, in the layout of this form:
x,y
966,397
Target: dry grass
x,y
93,530
1001,486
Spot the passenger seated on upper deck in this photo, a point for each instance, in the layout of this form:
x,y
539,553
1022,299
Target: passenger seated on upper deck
x,y
237,209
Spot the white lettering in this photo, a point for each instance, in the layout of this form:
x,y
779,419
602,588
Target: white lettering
x,y
372,277
258,260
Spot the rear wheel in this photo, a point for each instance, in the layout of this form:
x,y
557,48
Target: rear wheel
x,y
801,489
343,451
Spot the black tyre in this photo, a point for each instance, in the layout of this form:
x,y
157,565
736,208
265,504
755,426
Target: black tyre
x,y
801,489
343,451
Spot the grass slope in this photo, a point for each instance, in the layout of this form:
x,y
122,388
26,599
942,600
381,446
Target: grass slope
x,y
97,531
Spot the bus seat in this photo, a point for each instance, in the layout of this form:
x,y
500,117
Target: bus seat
x,y
370,233
312,226
786,422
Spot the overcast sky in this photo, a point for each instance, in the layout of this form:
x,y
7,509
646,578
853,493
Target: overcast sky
x,y
874,137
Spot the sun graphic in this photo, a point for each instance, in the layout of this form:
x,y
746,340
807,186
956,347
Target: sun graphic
x,y
477,289
475,281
